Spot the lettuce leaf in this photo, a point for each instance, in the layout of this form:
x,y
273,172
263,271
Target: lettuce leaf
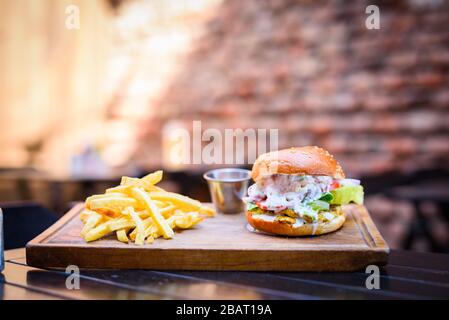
x,y
319,205
347,194
327,197
250,206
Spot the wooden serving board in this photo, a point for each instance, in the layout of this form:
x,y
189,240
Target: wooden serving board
x,y
220,243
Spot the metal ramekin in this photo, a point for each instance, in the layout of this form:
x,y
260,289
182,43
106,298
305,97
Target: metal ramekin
x,y
227,187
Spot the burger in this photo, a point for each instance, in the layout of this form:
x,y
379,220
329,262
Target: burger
x,y
299,192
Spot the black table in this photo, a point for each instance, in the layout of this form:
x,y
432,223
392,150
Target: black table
x,y
409,275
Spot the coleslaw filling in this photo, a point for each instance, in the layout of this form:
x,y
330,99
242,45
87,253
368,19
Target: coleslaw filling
x,y
303,195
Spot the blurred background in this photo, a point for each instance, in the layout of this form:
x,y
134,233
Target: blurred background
x,y
79,107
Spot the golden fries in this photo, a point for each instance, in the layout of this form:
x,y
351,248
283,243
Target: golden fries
x,y
120,223
177,199
153,178
91,222
97,232
167,211
102,196
147,183
207,211
121,236
184,220
112,203
139,211
118,189
158,219
140,239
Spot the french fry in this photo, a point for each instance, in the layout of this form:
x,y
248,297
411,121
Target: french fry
x,y
171,222
89,200
121,223
146,223
92,221
132,182
158,219
113,203
151,230
190,219
106,195
138,211
97,233
207,211
167,211
147,183
118,189
142,213
150,239
153,178
108,213
133,234
184,220
179,200
85,214
156,189
155,233
160,204
121,236
140,237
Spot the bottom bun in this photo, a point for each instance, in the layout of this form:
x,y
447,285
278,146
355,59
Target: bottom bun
x,y
286,229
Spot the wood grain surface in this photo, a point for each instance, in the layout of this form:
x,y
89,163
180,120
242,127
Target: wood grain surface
x,y
219,243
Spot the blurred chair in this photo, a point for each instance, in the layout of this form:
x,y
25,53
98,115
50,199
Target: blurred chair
x,y
24,220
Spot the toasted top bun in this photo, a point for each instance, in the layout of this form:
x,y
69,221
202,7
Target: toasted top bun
x,y
310,160
285,229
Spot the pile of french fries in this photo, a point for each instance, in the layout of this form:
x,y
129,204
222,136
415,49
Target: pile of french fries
x,y
137,210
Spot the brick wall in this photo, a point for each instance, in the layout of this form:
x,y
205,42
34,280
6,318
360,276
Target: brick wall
x,y
377,99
